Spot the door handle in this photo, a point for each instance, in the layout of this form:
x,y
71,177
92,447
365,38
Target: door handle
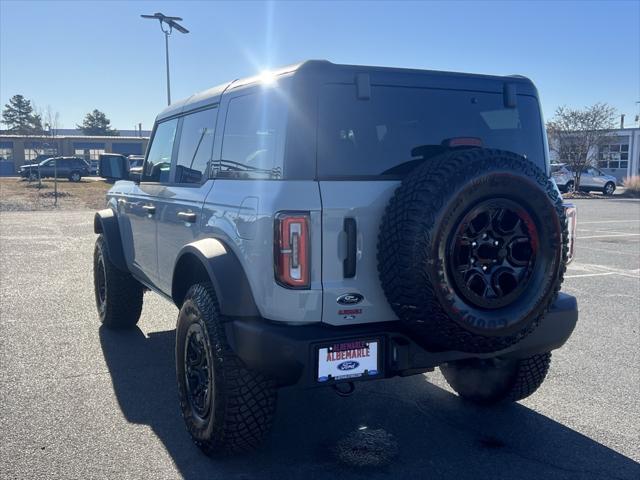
x,y
349,263
187,216
150,209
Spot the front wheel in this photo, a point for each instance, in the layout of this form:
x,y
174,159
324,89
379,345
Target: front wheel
x,y
497,380
75,176
570,187
609,188
118,294
226,407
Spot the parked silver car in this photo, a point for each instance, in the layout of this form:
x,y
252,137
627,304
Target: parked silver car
x,y
592,179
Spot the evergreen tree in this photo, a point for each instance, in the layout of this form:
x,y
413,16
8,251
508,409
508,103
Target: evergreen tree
x,y
19,117
97,123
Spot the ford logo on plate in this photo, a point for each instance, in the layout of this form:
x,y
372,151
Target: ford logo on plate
x,y
348,365
350,299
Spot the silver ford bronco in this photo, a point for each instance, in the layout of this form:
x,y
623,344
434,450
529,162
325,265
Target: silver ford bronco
x,y
324,225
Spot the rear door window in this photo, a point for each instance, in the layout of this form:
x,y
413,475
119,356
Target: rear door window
x,y
196,144
253,142
396,129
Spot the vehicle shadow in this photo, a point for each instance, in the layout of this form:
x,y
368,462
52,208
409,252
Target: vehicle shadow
x,y
437,435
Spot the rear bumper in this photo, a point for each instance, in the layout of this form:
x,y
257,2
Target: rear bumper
x,y
288,353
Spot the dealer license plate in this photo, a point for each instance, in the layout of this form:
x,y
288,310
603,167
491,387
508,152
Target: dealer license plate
x,y
348,360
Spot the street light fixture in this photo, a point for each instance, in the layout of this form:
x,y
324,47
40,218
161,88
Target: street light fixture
x,y
167,24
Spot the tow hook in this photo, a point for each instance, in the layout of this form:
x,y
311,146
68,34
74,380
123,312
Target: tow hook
x,y
344,392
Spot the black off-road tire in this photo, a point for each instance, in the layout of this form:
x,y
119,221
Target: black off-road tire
x,y
120,303
238,415
487,382
420,224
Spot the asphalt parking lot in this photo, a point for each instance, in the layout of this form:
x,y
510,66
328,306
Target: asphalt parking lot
x,y
78,401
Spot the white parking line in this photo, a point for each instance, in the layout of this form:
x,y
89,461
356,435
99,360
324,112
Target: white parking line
x,y
600,230
591,275
604,250
610,221
610,236
596,270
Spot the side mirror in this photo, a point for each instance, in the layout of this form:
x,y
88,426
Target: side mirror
x,y
114,167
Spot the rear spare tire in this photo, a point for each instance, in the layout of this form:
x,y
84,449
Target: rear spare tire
x,y
472,250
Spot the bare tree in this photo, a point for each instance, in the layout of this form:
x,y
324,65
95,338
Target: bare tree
x,y
49,117
577,134
52,118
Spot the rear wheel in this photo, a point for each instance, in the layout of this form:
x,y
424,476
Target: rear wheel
x,y
226,407
118,294
497,380
609,188
75,177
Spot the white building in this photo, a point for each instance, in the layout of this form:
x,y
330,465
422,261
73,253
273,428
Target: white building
x,y
620,156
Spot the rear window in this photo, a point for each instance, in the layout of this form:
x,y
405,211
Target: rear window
x,y
399,127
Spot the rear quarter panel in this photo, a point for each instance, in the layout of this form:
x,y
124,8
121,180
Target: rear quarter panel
x,y
241,214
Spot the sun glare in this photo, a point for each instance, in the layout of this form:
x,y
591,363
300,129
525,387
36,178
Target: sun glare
x,y
267,77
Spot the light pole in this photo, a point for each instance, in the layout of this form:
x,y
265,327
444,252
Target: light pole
x,y
167,24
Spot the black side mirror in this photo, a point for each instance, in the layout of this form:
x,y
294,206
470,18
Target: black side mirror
x,y
114,167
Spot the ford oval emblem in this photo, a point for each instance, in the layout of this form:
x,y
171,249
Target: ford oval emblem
x,y
350,299
348,365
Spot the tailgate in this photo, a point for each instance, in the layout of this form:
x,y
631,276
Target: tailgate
x,y
351,216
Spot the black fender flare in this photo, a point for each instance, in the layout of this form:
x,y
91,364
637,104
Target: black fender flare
x,y
212,260
106,222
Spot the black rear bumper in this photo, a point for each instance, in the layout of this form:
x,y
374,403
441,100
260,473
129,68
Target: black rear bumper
x,y
288,353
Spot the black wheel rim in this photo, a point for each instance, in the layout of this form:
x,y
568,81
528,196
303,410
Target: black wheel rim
x,y
101,283
492,253
197,367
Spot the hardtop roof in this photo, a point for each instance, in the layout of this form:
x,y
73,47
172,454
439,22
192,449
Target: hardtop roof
x,y
342,73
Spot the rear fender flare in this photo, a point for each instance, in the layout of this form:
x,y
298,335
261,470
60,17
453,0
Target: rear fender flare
x,y
212,260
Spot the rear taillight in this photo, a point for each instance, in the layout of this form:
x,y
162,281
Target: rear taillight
x,y
571,213
291,249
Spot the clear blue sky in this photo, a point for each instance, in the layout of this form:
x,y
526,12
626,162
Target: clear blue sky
x,y
76,56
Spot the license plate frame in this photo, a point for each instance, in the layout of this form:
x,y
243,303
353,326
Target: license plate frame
x,y
345,353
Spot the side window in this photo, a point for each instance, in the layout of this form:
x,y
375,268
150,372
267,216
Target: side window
x,y
252,146
158,162
196,144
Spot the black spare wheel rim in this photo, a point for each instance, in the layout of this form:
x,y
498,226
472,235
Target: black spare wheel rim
x,y
198,371
492,253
